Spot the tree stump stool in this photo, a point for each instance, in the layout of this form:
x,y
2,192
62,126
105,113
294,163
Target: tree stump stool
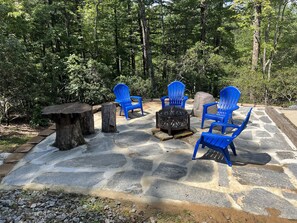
x,y
73,120
108,111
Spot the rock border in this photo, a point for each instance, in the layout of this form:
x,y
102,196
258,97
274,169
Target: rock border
x,y
283,123
22,150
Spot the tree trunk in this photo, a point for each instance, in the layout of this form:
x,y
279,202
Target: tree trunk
x,y
68,132
278,31
164,52
218,34
116,33
264,62
267,64
96,27
108,111
256,35
203,21
132,62
147,53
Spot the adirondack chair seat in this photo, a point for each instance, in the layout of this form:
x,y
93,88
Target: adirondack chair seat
x,y
215,140
176,90
218,142
126,101
130,106
229,97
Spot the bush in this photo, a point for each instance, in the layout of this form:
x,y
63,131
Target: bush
x,y
283,87
251,84
136,84
87,81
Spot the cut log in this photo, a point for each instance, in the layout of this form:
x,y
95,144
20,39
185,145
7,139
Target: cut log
x,y
87,122
108,111
72,121
68,132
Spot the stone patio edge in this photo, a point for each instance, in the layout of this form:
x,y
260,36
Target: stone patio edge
x,y
283,123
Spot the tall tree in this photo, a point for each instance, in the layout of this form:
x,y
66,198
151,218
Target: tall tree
x,y
147,53
256,35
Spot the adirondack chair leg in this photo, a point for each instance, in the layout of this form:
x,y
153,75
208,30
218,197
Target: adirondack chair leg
x,y
126,113
202,122
233,148
141,110
121,111
224,128
231,120
196,149
227,156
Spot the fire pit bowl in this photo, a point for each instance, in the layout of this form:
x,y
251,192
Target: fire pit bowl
x,y
172,118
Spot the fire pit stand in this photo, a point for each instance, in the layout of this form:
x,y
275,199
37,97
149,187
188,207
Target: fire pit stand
x,y
172,118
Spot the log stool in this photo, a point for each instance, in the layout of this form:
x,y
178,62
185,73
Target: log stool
x,y
73,120
108,111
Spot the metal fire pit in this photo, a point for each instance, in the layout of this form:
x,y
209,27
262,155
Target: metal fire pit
x,y
172,118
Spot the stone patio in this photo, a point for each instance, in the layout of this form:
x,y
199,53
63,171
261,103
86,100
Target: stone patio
x,y
135,163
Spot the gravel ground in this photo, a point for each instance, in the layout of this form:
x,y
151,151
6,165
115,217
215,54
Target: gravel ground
x,y
45,206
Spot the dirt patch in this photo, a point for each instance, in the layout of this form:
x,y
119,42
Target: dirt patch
x,y
291,115
199,213
14,135
185,212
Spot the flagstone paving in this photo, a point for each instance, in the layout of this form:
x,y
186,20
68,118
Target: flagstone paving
x,y
133,161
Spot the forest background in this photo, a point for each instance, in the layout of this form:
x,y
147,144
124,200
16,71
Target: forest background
x,y
57,51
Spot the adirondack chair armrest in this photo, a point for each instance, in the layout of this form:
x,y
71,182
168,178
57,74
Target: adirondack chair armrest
x,y
186,98
118,101
209,104
136,97
222,125
205,106
164,97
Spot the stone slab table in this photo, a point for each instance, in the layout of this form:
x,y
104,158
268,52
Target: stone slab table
x,y
73,120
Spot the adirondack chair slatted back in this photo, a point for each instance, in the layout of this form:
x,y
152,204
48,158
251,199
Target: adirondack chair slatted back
x,y
243,125
176,91
229,97
122,94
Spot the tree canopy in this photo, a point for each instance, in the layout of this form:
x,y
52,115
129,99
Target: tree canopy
x,y
56,51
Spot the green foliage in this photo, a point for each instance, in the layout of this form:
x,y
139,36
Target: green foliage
x,y
251,84
137,85
283,87
62,51
36,117
202,68
86,80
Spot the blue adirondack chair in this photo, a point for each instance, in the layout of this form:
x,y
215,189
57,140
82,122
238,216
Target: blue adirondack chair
x,y
221,142
229,97
123,97
176,90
